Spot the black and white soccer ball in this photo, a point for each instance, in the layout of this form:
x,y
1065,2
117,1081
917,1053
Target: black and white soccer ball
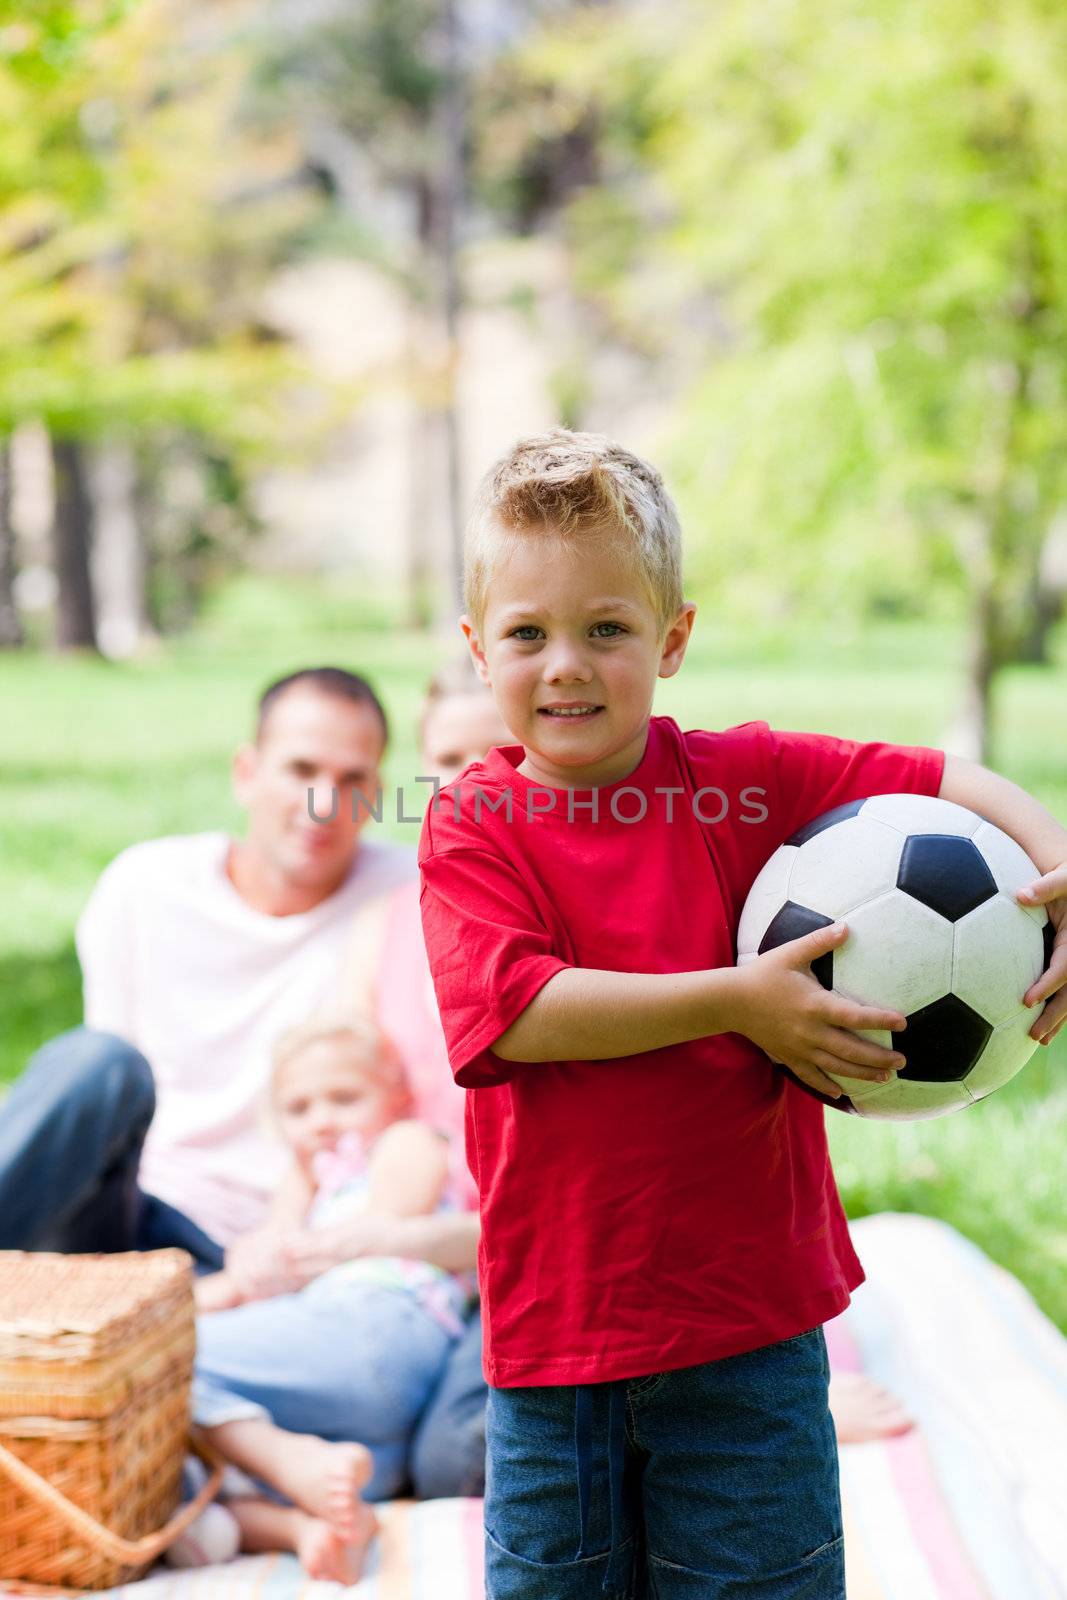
x,y
927,890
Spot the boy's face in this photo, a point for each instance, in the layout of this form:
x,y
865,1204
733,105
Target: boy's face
x,y
574,627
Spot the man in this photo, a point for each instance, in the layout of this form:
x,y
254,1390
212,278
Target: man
x,y
144,1128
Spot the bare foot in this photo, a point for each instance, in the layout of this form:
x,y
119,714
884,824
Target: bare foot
x,y
328,1557
863,1410
325,1480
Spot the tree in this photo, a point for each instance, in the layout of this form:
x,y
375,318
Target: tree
x,y
75,612
141,219
10,626
376,88
861,210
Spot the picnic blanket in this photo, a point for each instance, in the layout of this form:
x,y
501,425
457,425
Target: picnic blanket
x,y
969,1506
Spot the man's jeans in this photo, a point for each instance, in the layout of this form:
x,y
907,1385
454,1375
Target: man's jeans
x,y
71,1131
448,1454
716,1482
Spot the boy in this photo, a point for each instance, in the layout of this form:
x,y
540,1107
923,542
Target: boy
x,y
661,1234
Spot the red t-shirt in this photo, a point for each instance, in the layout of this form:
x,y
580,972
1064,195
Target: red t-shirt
x,y
657,1210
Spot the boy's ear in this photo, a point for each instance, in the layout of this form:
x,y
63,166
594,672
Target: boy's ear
x,y
676,640
481,665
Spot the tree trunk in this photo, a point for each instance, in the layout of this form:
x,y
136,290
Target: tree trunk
x,y
10,627
974,734
1046,609
421,519
119,560
72,527
970,733
1048,595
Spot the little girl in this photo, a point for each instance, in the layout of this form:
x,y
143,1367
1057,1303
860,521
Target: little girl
x,y
378,1330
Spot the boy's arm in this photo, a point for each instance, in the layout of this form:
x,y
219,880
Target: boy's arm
x,y
584,1014
1045,840
485,931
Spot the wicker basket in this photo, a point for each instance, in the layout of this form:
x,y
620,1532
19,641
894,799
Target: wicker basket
x,y
96,1358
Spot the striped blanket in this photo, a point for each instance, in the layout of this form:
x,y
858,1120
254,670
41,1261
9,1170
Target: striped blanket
x,y
970,1505
967,1507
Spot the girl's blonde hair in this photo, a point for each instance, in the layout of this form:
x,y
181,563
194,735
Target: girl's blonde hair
x,y
452,679
575,486
367,1044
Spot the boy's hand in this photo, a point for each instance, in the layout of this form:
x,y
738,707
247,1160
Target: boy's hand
x,y
1050,891
802,1026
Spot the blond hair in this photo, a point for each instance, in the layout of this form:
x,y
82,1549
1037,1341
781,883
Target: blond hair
x,y
367,1044
575,486
454,679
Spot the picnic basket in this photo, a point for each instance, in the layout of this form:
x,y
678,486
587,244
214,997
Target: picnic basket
x,y
96,1359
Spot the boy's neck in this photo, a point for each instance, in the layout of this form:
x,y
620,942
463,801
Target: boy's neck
x,y
613,769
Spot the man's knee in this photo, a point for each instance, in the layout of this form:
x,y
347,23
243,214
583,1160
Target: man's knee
x,y
448,1456
89,1067
71,1132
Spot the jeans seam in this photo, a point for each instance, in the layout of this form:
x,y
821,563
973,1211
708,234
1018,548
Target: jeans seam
x,y
648,1386
552,1566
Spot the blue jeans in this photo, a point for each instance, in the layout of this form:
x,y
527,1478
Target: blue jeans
x,y
448,1451
717,1482
71,1132
344,1361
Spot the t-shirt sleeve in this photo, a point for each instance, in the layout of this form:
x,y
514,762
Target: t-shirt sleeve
x,y
813,772
490,953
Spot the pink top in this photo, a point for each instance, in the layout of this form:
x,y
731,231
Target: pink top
x,y
407,1012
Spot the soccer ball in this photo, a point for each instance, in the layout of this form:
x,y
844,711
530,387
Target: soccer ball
x,y
927,890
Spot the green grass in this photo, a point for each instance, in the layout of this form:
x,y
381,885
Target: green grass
x,y
97,756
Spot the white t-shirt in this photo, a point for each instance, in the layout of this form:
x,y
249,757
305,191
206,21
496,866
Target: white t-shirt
x,y
174,961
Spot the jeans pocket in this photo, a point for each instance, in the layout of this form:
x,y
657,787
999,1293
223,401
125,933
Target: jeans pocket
x,y
510,1576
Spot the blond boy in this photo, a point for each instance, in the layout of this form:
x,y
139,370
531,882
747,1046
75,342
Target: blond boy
x,y
661,1234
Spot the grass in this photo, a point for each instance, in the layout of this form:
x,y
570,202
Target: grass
x,y
99,755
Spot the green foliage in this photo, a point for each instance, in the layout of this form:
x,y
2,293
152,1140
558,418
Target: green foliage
x,y
858,213
138,224
40,46
373,66
370,75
